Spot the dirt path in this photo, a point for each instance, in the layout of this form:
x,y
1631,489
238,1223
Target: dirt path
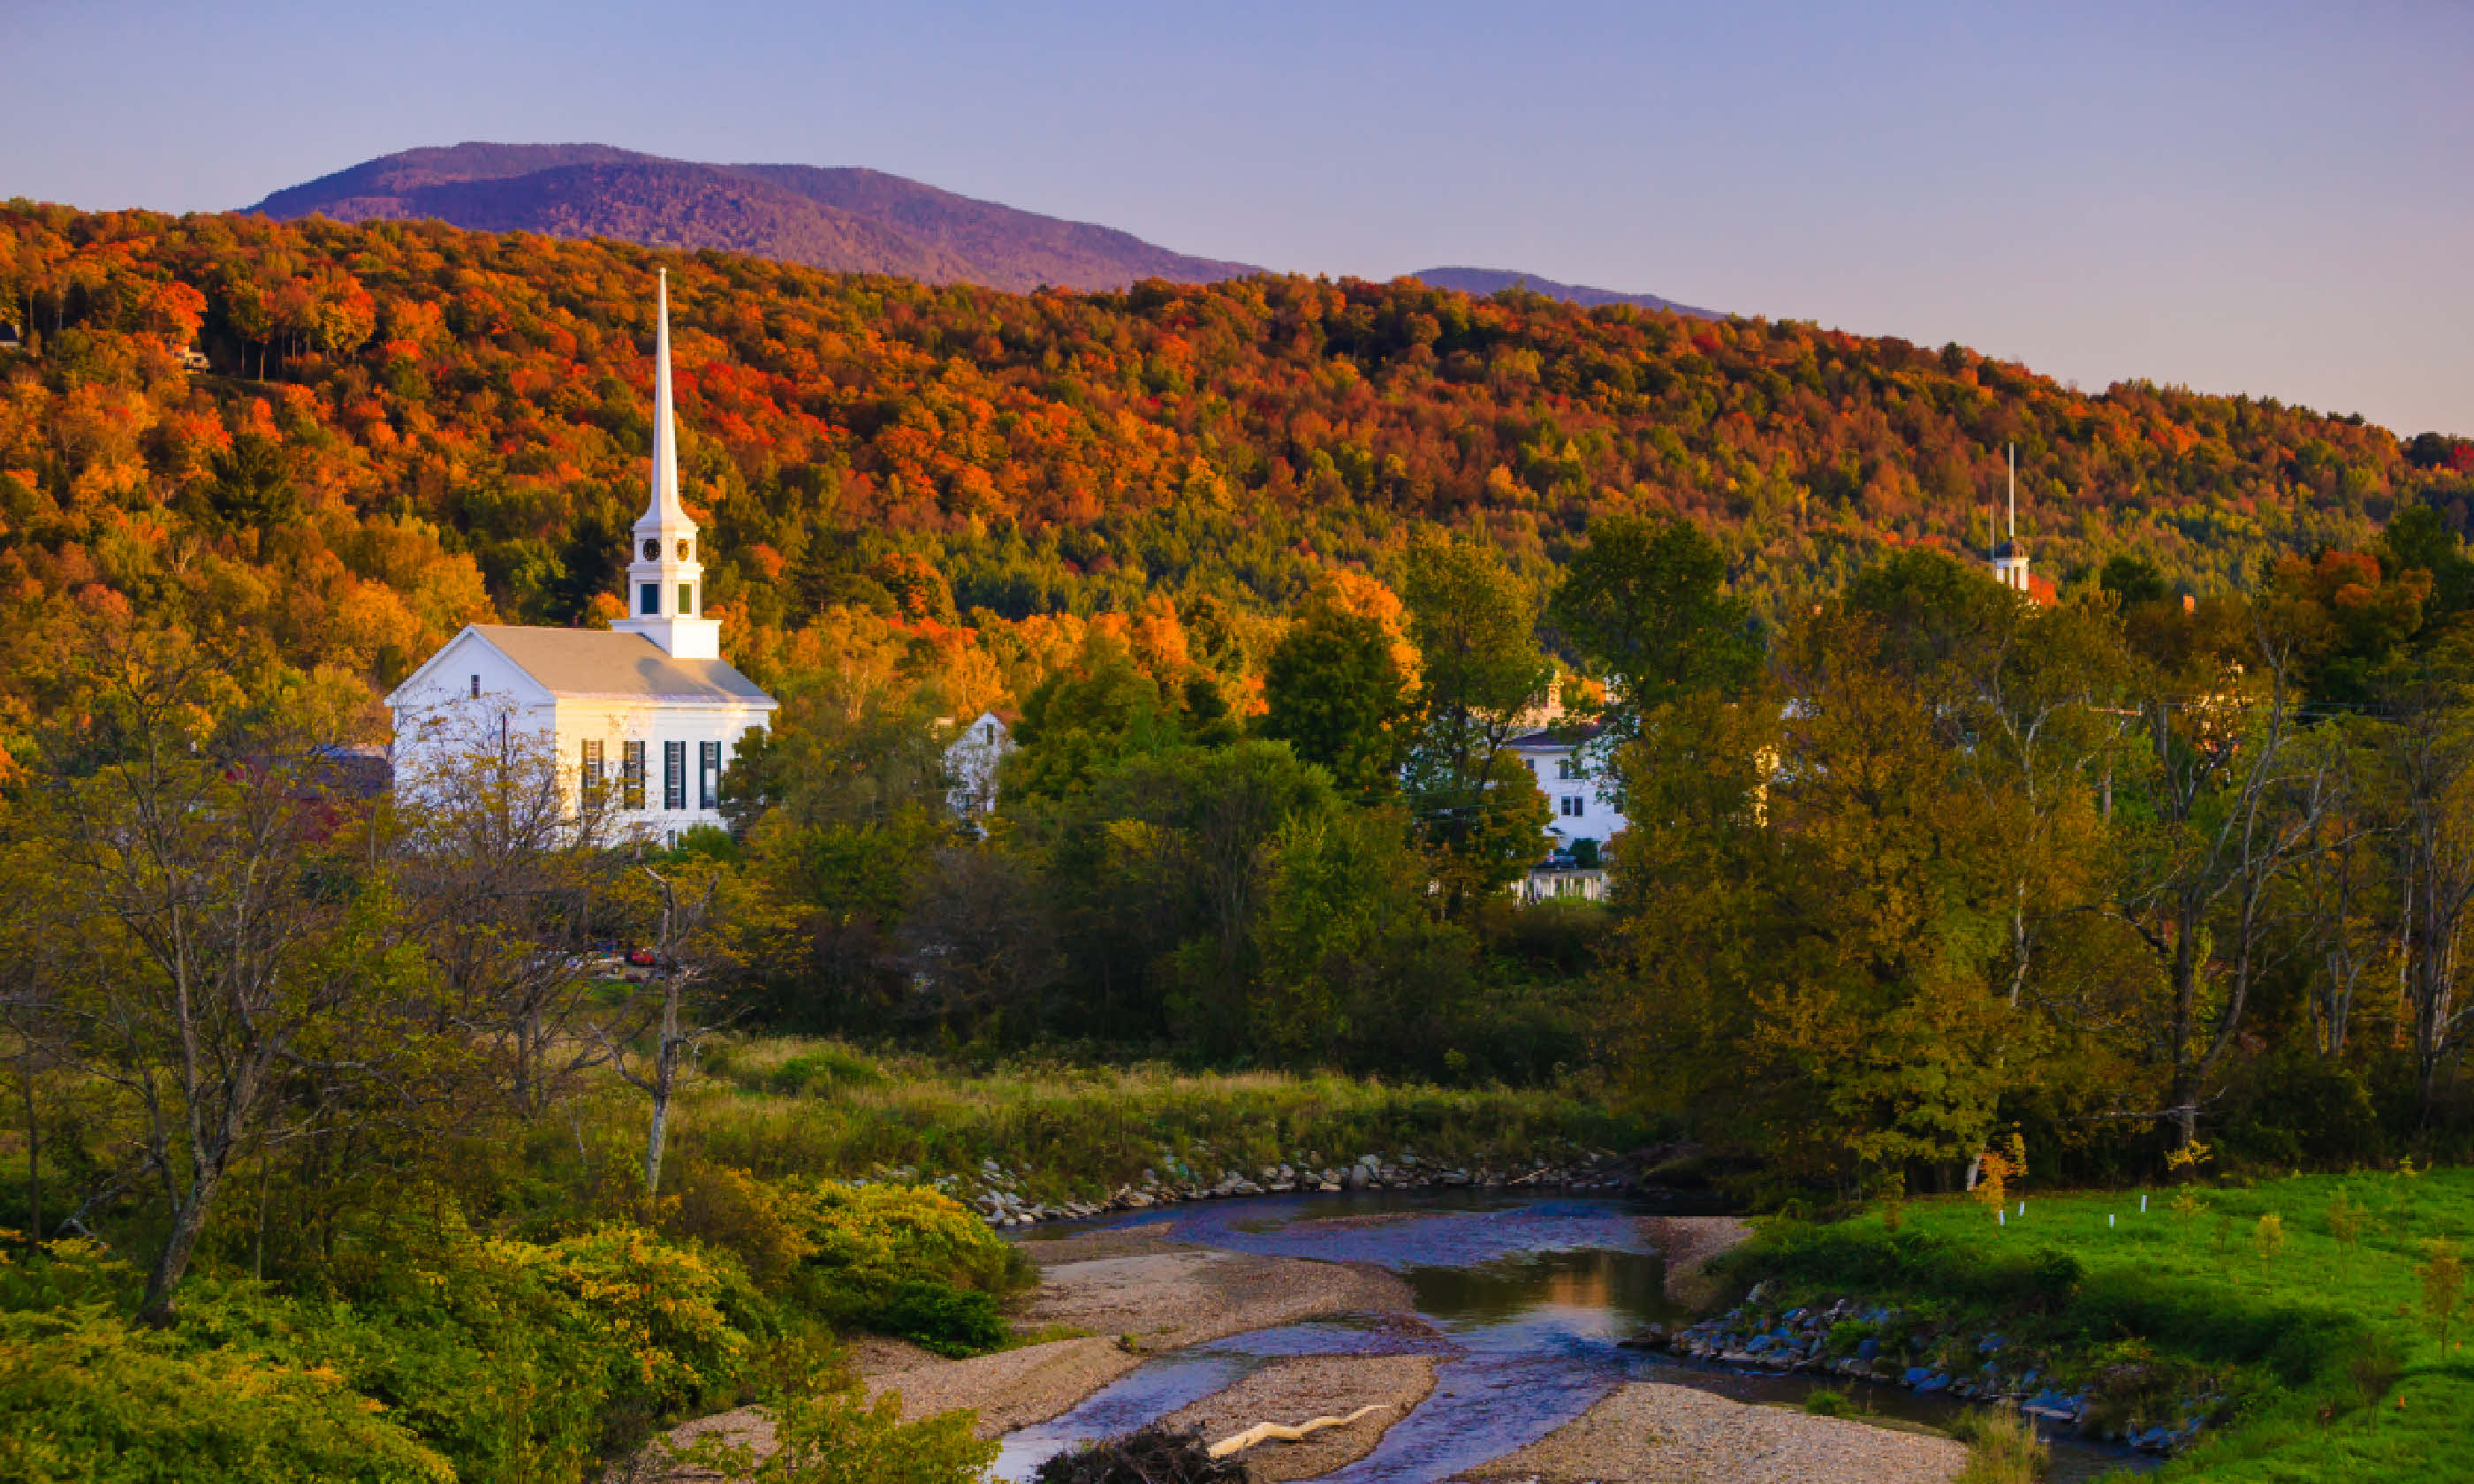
x,y
1649,1433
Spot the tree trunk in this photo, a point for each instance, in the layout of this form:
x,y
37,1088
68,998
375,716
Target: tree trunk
x,y
665,1061
34,1148
188,1224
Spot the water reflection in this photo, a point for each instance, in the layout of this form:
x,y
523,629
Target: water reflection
x,y
1625,1289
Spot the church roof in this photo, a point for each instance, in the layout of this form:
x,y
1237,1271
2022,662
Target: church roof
x,y
629,667
2013,547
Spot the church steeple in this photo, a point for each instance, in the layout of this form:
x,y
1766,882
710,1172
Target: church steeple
x,y
664,579
2010,557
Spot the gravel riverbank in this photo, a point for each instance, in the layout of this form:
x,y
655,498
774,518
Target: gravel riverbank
x,y
1650,1433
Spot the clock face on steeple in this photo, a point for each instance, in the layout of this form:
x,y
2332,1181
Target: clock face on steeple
x,y
683,549
652,551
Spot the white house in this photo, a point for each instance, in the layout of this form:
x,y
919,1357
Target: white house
x,y
647,710
1571,770
971,762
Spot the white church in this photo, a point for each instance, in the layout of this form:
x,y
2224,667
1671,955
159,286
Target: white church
x,y
643,716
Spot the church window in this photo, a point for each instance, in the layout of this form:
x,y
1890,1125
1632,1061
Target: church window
x,y
631,775
687,600
674,774
708,774
652,551
648,598
476,687
592,771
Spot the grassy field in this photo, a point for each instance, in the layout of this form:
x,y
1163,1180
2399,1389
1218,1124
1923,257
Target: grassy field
x,y
775,1106
2310,1302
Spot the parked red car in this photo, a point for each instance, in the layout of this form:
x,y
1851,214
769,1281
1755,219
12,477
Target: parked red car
x,y
640,958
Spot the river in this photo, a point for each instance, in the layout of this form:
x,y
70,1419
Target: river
x,y
1523,1297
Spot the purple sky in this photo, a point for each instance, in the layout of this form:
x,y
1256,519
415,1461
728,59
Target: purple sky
x,y
2263,198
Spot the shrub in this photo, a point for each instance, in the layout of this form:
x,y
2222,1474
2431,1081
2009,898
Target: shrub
x,y
85,1396
824,1068
2002,1448
953,1322
827,1432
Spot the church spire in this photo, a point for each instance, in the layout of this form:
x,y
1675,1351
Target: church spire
x,y
665,509
664,579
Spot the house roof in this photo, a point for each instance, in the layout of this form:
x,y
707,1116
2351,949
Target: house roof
x,y
625,666
1559,740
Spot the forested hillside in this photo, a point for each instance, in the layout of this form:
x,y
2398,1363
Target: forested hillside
x,y
405,426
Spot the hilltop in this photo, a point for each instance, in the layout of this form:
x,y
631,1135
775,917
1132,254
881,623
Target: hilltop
x,y
1484,281
848,221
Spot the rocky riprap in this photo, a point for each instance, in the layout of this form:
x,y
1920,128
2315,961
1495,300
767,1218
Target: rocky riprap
x,y
1880,1343
998,1193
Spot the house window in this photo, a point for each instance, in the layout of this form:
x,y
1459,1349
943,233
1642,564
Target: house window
x,y
687,599
1563,768
648,598
631,775
708,774
674,774
592,771
476,687
1569,807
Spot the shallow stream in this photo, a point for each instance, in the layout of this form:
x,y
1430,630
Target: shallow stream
x,y
1523,1297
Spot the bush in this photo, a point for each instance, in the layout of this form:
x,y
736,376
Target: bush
x,y
84,1396
1825,1402
953,1321
516,1360
823,1070
831,1434
2002,1448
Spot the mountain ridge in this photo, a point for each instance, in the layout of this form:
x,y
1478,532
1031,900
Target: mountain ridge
x,y
1482,282
843,219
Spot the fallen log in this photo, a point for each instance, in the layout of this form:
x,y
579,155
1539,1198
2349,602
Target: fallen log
x,y
1271,1433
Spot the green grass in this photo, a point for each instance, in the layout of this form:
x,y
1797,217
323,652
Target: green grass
x,y
778,1106
2334,1368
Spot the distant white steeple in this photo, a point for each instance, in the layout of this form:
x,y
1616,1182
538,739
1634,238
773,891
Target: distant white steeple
x,y
2010,557
665,581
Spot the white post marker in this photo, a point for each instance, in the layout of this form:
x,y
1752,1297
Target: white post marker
x,y
2143,1202
2023,1207
2000,1217
2108,1221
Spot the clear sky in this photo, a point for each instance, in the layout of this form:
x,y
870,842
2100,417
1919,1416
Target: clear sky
x,y
2265,198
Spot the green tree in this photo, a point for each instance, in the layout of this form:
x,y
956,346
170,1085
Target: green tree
x,y
1475,802
1333,692
1355,969
1081,722
1645,605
